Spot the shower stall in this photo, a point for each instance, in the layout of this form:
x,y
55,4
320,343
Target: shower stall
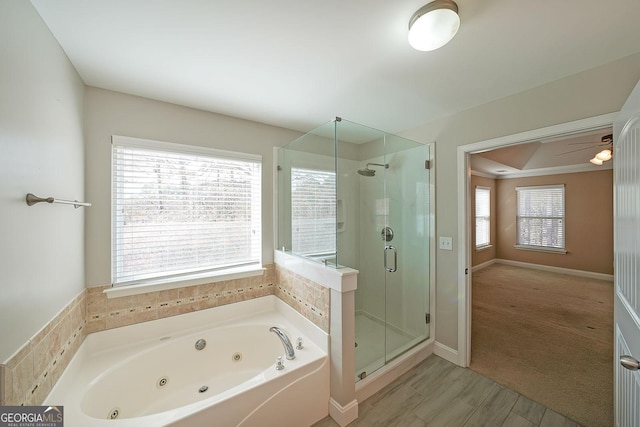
x,y
353,196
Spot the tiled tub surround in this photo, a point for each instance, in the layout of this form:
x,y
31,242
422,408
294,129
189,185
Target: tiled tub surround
x,y
107,313
308,297
29,375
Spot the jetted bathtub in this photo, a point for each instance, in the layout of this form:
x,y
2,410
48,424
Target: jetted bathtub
x,y
153,373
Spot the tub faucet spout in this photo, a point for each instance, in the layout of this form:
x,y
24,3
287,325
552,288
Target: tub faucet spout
x,y
288,348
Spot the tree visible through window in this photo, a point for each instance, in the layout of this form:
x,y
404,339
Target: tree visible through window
x,y
180,210
540,216
483,216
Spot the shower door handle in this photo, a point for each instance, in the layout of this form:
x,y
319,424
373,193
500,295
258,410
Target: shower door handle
x,y
395,259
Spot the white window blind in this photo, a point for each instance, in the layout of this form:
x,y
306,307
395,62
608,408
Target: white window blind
x,y
483,216
540,216
313,211
180,210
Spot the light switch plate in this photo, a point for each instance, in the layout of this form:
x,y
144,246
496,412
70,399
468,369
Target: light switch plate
x,y
446,243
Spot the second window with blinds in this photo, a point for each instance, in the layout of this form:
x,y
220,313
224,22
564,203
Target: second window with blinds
x,y
313,211
540,218
483,217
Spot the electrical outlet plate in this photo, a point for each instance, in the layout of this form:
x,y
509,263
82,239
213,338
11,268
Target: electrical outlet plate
x,y
446,243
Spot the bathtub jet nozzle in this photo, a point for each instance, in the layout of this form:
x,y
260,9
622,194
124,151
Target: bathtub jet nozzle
x,y
289,352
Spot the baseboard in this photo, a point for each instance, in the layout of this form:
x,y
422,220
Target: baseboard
x,y
560,270
483,265
343,415
447,353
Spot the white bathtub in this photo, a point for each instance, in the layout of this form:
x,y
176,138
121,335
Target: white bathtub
x,y
151,374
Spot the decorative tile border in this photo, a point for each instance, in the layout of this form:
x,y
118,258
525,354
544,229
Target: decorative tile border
x,y
108,313
29,375
306,296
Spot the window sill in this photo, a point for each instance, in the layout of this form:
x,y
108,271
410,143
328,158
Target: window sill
x,y
482,248
191,280
541,249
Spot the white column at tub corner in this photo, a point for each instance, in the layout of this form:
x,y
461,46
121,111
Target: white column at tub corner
x,y
343,406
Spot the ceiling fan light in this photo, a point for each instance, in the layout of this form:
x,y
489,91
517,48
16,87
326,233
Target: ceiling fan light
x,y
434,25
596,161
604,155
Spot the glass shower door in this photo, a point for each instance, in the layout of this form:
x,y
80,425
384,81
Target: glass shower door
x,y
405,241
371,347
392,299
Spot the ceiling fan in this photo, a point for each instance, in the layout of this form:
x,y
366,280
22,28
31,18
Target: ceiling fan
x,y
606,142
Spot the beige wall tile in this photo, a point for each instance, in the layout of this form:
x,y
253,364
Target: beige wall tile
x,y
23,377
168,295
117,319
40,391
123,303
144,315
96,300
24,351
6,383
96,325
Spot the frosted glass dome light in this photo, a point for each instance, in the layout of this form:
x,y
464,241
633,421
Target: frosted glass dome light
x,y
434,25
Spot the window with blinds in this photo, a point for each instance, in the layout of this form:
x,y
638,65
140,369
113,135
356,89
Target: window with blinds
x,y
313,211
483,217
180,210
540,217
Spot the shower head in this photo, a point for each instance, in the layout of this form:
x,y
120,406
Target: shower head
x,y
367,172
370,172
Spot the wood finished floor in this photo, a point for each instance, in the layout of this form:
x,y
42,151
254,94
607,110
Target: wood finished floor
x,y
439,393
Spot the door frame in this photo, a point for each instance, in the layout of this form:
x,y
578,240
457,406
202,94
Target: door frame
x,y
464,204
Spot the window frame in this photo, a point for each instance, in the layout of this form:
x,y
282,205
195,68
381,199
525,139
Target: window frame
x,y
172,280
541,248
487,218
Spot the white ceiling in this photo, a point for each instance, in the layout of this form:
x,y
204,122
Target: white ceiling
x,y
298,64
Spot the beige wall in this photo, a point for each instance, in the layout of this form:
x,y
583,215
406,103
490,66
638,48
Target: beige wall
x,y
111,113
41,151
590,93
486,254
588,221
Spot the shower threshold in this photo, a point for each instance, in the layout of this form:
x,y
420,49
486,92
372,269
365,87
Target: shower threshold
x,y
370,350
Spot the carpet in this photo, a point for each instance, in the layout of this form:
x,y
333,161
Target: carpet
x,y
547,336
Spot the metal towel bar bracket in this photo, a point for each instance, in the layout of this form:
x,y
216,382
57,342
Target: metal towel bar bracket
x,y
32,200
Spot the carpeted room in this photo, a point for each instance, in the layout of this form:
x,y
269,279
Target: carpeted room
x,y
548,334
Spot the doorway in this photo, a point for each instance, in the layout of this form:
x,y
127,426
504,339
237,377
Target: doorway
x,y
464,201
465,218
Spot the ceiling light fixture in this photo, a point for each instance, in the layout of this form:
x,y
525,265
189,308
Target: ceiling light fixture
x,y
606,154
434,25
596,161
